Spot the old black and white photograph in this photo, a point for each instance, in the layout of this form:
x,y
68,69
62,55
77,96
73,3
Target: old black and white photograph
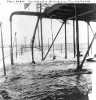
x,y
47,50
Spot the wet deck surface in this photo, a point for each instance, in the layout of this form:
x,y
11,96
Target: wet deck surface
x,y
55,80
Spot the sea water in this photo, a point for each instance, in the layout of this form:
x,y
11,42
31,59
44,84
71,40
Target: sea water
x,y
58,49
46,80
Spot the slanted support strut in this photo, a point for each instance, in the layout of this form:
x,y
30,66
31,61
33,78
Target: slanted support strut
x,y
32,41
93,34
87,51
53,40
91,28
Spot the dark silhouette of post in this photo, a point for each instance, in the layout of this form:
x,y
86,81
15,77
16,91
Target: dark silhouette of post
x,y
16,43
2,49
88,35
65,42
41,32
77,39
38,28
11,48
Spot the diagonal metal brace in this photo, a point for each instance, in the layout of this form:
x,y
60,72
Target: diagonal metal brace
x,y
87,51
91,28
54,40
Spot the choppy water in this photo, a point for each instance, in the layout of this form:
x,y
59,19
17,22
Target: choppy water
x,y
41,82
46,80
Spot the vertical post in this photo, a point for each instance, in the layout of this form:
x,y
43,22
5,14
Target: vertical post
x,y
88,35
65,42
41,32
74,38
2,50
77,39
11,50
16,43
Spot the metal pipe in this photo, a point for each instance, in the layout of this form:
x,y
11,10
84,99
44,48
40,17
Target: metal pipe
x,y
38,28
88,35
77,39
20,13
87,51
74,38
11,48
65,42
41,37
41,31
16,44
26,13
2,50
32,40
53,41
